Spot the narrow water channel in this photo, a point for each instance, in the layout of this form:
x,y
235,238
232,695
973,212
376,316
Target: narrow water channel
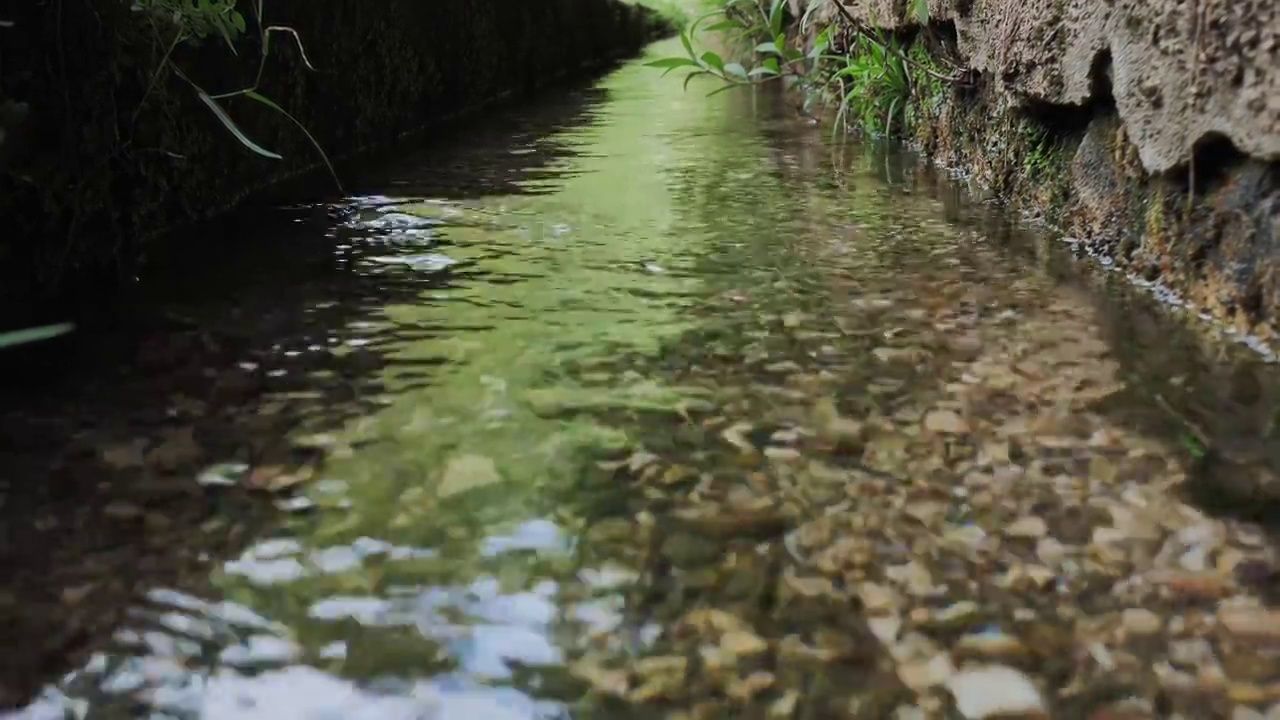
x,y
645,404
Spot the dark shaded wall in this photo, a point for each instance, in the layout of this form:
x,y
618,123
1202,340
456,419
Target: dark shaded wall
x,y
95,169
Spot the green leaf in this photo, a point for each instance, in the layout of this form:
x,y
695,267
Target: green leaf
x,y
44,332
723,25
776,14
768,47
736,70
693,75
762,71
260,98
820,44
687,41
711,59
231,126
671,63
725,88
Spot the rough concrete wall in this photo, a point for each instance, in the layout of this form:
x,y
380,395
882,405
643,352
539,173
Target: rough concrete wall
x,y
97,167
1179,70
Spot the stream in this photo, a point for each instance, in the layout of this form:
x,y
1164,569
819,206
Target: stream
x,y
639,403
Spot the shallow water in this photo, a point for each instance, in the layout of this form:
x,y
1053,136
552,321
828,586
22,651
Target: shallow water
x,y
642,403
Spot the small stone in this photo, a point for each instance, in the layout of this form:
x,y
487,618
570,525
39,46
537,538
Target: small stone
x,y
120,510
1195,560
782,454
467,472
1256,624
745,689
959,615
996,691
178,449
75,595
1142,622
1192,652
909,712
1108,535
1027,527
1250,694
785,706
925,511
964,539
992,645
877,599
920,675
1205,585
1050,551
914,576
947,422
885,627
742,643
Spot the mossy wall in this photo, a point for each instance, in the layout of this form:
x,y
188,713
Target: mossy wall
x,y
1205,231
101,163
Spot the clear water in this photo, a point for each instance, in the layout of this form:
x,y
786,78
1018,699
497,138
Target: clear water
x,y
569,379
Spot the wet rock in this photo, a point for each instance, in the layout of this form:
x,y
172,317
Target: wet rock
x,y
954,617
741,643
1138,621
996,691
947,422
1257,624
1191,585
992,645
467,472
922,674
178,449
1027,527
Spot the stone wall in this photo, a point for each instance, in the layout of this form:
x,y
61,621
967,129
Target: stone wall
x,y
1149,129
117,148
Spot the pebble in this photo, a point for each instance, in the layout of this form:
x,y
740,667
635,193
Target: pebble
x,y
1050,551
1192,652
994,691
920,675
992,645
1251,623
1139,621
1027,527
957,615
877,598
741,643
1205,585
945,422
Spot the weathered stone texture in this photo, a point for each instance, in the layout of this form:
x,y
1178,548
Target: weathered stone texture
x,y
1179,70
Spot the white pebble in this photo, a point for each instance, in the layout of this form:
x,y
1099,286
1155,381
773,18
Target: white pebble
x,y
984,692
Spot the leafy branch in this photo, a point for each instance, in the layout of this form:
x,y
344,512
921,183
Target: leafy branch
x,y
871,79
196,20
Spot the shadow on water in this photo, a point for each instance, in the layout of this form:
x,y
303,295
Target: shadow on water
x,y
264,331
605,409
1216,399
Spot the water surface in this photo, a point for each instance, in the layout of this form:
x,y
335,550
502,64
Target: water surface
x,y
642,403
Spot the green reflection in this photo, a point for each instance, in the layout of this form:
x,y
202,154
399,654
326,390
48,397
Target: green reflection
x,y
612,262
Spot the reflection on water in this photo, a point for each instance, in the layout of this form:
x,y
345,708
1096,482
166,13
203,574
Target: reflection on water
x,y
525,317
